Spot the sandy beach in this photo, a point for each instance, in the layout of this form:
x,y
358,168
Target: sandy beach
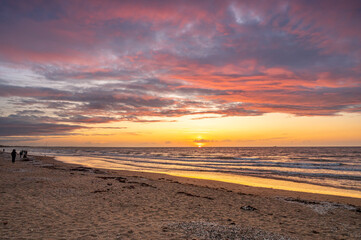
x,y
45,199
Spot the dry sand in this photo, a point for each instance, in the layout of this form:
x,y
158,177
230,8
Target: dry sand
x,y
46,199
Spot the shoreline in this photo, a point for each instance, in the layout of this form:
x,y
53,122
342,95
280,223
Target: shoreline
x,y
249,189
45,197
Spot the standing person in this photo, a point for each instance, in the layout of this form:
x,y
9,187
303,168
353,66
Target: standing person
x,y
13,155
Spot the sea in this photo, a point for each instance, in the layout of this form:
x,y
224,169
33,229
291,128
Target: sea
x,y
324,170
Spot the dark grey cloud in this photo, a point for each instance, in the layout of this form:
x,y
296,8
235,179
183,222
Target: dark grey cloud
x,y
37,92
103,105
201,91
88,119
12,126
10,140
63,73
29,112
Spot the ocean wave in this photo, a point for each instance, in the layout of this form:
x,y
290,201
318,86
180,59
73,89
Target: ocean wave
x,y
329,166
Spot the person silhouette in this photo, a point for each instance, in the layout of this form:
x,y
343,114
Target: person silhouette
x,y
13,155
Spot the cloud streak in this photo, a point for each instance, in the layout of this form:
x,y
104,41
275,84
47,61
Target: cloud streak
x,y
10,126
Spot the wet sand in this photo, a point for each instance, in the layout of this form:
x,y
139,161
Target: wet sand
x,y
46,199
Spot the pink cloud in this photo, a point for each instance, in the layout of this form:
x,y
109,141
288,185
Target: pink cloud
x,y
139,59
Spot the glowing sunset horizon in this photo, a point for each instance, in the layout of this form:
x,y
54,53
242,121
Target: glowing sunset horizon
x,y
180,73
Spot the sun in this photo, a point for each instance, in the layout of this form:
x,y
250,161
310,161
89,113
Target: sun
x,y
199,141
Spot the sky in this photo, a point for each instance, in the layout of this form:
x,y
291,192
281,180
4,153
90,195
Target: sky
x,y
180,73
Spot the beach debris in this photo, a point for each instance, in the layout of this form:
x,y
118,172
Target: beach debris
x,y
101,191
52,166
322,208
248,208
172,181
231,221
81,169
211,231
192,195
301,201
357,209
188,194
142,184
119,179
86,169
124,180
97,171
147,185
